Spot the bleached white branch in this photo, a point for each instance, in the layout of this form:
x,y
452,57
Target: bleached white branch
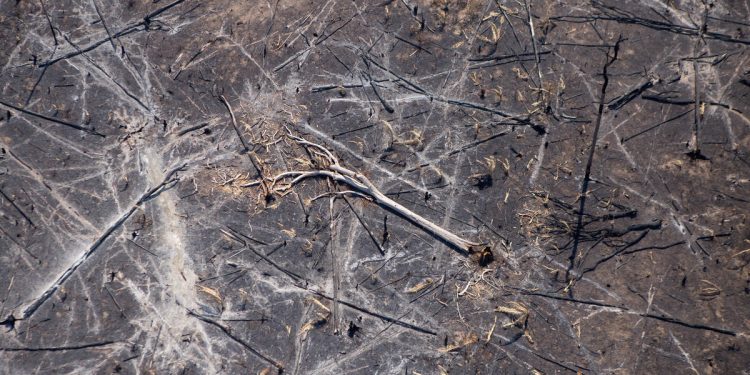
x,y
363,185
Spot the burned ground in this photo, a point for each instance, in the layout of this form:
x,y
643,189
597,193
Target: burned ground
x,y
598,148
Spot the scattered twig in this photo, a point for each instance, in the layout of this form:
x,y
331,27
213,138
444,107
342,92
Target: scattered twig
x,y
192,128
628,311
238,236
39,79
119,308
129,29
689,325
694,144
625,139
142,248
367,229
533,43
335,266
620,101
59,348
550,360
614,254
32,307
228,331
26,217
592,149
325,36
385,104
52,119
247,149
652,24
104,23
49,22
570,299
415,45
106,74
387,318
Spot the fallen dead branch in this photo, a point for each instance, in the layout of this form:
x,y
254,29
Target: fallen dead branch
x,y
331,168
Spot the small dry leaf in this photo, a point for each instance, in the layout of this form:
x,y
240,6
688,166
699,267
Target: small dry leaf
x,y
315,323
464,339
210,291
420,286
321,305
491,331
516,311
709,291
521,75
491,163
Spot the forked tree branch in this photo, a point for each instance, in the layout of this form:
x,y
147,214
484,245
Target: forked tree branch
x,y
333,170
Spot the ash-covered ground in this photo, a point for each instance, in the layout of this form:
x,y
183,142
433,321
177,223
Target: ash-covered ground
x,y
599,150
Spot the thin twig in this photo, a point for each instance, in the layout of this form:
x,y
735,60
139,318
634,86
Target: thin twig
x,y
32,307
228,331
587,174
533,43
106,28
246,148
